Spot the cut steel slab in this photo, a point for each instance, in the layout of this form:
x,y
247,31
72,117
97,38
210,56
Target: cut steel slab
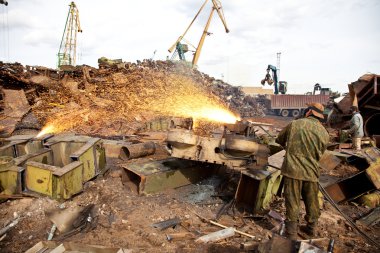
x,y
155,176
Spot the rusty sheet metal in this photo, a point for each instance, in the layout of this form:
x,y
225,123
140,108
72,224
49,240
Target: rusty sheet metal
x,y
15,103
329,161
137,150
256,189
296,101
280,244
155,176
372,218
277,159
277,244
350,188
366,180
15,107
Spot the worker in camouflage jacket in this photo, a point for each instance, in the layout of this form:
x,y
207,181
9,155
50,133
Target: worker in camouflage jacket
x,y
305,140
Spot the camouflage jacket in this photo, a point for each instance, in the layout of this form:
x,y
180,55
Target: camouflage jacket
x,y
306,141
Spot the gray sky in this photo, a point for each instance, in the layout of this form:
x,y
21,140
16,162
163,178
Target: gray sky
x,y
332,42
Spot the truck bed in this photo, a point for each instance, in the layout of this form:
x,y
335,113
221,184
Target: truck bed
x,y
296,101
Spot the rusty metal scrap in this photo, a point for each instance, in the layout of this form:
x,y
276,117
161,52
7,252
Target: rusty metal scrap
x,y
236,147
162,225
113,101
364,93
137,150
365,181
15,106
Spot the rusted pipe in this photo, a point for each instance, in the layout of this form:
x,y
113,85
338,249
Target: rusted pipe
x,y
137,150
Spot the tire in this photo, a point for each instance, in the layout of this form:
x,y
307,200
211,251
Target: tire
x,y
285,113
296,113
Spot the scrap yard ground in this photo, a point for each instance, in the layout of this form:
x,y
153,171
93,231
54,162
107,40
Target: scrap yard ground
x,y
125,219
103,103
135,104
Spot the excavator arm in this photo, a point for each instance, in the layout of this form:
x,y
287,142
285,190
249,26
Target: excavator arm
x,y
271,80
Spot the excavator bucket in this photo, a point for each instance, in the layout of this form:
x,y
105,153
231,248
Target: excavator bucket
x,y
267,79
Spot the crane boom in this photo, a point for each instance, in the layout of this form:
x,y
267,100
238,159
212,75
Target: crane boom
x,y
216,6
187,29
67,48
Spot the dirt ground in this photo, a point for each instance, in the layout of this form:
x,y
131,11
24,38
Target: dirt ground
x,y
124,218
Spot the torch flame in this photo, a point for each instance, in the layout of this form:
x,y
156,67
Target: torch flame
x,y
215,114
48,129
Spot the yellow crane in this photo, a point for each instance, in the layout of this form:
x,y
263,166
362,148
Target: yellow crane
x,y
182,48
67,49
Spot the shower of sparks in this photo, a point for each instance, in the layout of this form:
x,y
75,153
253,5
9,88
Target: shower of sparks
x,y
168,95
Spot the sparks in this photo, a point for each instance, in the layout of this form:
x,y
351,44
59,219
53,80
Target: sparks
x,y
48,129
171,96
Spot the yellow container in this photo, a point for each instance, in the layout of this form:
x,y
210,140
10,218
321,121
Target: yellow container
x,y
55,182
10,176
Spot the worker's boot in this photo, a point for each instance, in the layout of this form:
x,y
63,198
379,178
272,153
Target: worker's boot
x,y
310,229
291,230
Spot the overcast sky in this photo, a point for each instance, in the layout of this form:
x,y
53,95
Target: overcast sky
x,y
332,42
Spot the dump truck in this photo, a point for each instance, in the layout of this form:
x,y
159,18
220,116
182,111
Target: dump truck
x,y
293,104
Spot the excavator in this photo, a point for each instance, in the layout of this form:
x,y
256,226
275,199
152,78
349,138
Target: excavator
x,y
181,48
279,87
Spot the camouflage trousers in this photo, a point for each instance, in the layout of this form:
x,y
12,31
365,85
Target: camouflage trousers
x,y
293,190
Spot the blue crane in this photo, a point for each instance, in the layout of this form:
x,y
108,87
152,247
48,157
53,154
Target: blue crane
x,y
279,87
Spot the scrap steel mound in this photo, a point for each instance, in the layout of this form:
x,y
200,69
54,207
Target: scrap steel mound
x,y
115,99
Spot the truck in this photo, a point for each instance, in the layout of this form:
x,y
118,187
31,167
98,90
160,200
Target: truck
x,y
293,104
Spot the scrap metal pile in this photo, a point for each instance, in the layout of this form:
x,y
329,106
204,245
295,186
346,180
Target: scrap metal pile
x,y
115,99
205,137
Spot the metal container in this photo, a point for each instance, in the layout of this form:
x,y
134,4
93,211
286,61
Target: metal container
x,y
296,101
